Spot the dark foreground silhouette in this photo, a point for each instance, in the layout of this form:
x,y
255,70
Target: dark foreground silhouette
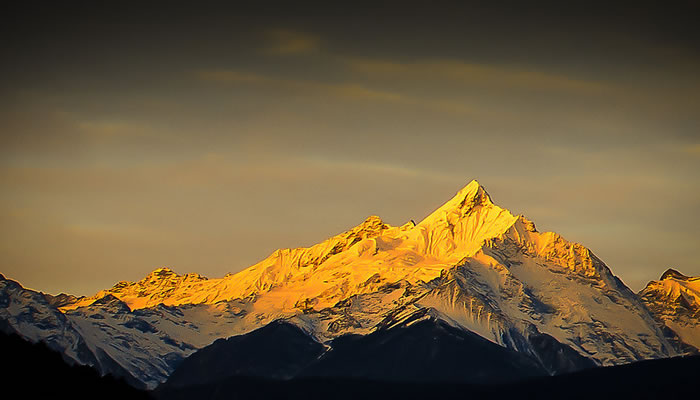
x,y
425,351
656,379
35,371
38,372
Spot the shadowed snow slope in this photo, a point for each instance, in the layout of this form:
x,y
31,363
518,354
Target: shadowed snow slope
x,y
470,264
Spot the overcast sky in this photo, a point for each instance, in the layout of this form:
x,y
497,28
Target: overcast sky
x,y
205,138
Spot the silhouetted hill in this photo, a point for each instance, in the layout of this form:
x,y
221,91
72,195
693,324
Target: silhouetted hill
x,y
426,351
36,371
278,350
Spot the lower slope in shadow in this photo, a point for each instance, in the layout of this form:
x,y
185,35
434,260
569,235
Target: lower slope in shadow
x,y
424,350
420,358
278,350
429,350
34,370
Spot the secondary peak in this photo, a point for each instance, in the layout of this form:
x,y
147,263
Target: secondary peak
x,y
372,220
162,273
672,273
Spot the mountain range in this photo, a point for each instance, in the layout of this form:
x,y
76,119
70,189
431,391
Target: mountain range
x,y
472,293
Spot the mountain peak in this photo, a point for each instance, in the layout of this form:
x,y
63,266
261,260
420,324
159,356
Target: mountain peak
x,y
370,227
465,200
464,223
472,186
463,203
161,273
672,273
372,220
473,192
112,303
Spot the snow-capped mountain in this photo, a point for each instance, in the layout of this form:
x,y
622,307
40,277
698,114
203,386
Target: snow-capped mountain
x,y
30,315
143,345
470,264
675,300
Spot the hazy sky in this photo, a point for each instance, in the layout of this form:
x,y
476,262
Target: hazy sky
x,y
205,138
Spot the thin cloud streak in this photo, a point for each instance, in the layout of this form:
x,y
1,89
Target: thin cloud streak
x,y
289,42
482,75
352,91
388,170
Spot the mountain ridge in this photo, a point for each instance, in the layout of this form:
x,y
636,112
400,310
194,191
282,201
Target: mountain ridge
x,y
470,263
460,233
